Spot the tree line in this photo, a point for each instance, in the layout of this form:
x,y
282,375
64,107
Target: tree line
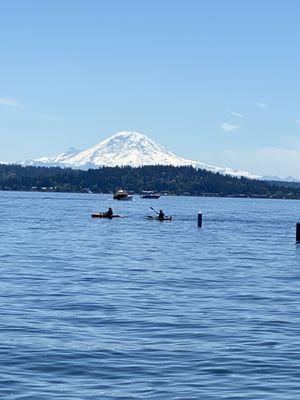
x,y
173,180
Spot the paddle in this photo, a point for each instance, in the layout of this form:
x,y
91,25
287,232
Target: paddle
x,y
165,217
154,210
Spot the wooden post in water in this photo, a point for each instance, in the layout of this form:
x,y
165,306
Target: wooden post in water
x,y
200,221
298,232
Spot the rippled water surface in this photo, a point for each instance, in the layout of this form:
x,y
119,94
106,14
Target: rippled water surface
x,y
136,309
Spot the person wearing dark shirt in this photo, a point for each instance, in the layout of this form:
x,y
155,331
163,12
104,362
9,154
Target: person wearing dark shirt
x,y
161,215
109,213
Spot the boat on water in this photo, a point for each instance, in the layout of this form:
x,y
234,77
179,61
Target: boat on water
x,y
122,194
103,215
157,218
150,195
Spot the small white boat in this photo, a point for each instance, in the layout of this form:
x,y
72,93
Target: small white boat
x,y
122,194
150,195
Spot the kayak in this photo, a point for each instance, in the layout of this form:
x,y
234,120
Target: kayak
x,y
101,215
159,219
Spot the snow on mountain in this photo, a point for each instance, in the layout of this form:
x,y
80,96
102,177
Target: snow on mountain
x,y
52,161
278,179
127,148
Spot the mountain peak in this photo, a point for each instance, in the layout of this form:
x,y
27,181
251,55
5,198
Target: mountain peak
x,y
71,151
130,138
128,135
126,148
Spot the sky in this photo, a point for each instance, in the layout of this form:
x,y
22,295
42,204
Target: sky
x,y
212,80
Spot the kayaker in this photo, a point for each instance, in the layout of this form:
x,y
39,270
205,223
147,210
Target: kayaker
x,y
109,213
161,215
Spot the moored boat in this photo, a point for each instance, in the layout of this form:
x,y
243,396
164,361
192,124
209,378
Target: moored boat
x,y
122,194
150,195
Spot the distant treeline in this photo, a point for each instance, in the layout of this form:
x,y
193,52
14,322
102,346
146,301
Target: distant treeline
x,y
173,180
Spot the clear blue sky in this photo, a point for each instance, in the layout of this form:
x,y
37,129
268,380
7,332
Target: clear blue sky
x,y
215,80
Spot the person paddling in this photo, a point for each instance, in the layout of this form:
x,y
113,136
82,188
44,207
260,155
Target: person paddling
x,y
161,215
109,213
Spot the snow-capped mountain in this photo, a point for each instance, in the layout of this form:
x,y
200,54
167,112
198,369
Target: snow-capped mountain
x,y
126,148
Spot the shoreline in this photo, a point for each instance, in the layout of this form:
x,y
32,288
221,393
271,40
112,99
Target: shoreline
x,y
212,195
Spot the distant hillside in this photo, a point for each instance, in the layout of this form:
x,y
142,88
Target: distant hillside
x,y
286,184
174,180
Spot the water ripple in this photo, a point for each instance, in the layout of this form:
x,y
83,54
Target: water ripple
x,y
136,309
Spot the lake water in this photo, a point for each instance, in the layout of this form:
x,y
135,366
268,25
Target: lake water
x,y
136,309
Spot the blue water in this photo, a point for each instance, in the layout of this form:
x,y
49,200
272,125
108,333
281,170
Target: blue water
x,y
136,309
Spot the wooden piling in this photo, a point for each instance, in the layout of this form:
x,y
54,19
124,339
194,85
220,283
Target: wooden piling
x,y
298,232
200,221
